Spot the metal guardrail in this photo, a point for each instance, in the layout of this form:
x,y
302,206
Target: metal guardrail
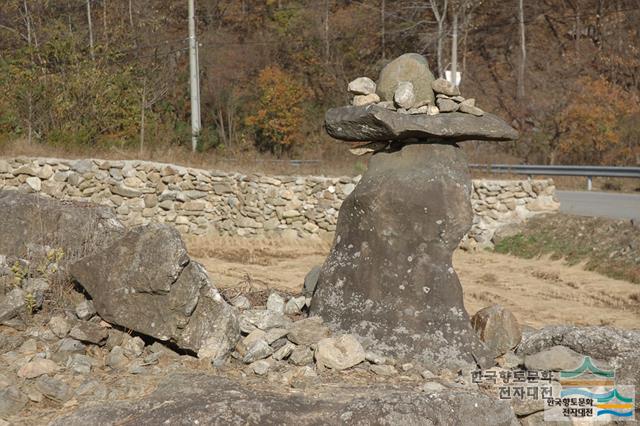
x,y
588,171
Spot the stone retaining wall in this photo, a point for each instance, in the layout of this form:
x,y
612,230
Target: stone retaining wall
x,y
201,201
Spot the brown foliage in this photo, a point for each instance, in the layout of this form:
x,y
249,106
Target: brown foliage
x,y
278,112
592,125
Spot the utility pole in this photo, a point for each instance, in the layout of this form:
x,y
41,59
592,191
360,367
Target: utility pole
x,y
194,77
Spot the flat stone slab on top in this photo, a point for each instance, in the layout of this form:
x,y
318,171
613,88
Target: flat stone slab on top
x,y
375,123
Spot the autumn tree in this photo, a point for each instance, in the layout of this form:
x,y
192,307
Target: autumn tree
x,y
595,125
278,111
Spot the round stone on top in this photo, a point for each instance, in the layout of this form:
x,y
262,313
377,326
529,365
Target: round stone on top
x,y
411,67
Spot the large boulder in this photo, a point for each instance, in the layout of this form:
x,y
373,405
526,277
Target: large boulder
x,y
498,328
389,277
375,123
412,68
212,400
146,282
30,222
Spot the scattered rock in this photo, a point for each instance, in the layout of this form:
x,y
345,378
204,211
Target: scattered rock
x,y
384,370
12,303
244,344
274,334
310,280
375,358
59,326
116,358
80,364
54,389
432,387
362,86
339,353
34,183
555,358
301,355
259,349
12,401
133,347
36,368
89,332
35,289
308,331
70,345
509,360
445,87
260,367
498,328
262,319
241,302
275,303
284,351
295,305
85,310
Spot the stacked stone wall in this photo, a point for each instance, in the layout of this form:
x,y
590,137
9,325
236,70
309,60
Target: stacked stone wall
x,y
200,201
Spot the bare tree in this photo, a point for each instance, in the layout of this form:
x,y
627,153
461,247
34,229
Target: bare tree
x,y
93,57
454,48
440,15
326,31
382,27
523,50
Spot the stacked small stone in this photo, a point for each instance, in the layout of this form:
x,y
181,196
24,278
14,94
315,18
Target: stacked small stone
x,y
406,98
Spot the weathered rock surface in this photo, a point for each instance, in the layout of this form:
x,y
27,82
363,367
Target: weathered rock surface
x,y
374,123
360,100
30,221
445,87
410,67
362,86
12,303
498,328
389,278
404,96
203,399
339,353
146,282
556,358
618,348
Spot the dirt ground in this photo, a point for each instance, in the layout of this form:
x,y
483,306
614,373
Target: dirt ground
x,y
538,291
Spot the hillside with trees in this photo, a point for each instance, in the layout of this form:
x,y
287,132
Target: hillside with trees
x,y
113,74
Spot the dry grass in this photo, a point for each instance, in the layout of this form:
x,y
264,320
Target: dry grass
x,y
332,158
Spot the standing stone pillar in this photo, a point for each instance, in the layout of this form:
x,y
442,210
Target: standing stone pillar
x,y
389,277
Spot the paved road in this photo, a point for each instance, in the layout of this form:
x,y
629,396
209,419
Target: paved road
x,y
602,204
